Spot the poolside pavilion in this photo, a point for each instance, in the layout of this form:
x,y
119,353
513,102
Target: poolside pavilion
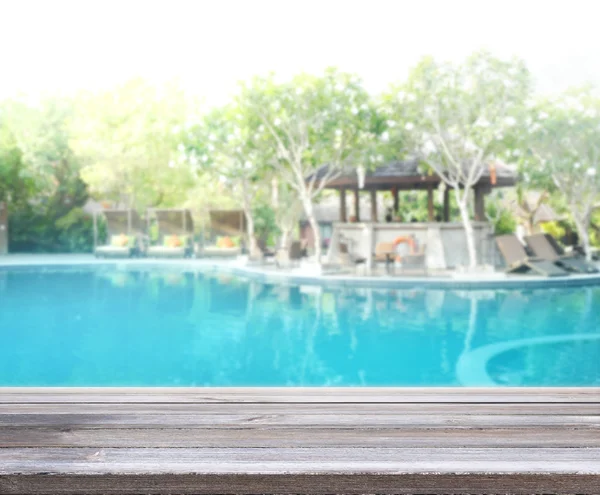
x,y
445,241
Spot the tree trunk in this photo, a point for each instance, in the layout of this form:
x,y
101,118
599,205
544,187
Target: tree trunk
x,y
250,231
285,237
469,234
308,210
249,219
582,230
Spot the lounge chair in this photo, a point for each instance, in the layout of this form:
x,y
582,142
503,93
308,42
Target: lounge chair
x,y
518,261
176,230
125,234
580,250
544,246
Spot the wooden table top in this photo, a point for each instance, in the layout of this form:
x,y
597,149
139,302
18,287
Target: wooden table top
x,y
316,440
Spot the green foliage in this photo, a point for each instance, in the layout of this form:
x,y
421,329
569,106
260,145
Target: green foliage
x,y
39,176
265,225
143,146
412,206
75,231
555,229
562,152
312,120
595,228
130,140
503,220
457,118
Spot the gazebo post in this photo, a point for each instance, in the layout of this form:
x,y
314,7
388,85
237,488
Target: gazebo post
x,y
396,202
343,210
373,205
446,204
430,203
356,205
479,203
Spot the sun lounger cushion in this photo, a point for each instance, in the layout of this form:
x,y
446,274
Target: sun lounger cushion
x,y
175,241
122,240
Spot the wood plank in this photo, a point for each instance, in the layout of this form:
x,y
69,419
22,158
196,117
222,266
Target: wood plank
x,y
290,419
298,395
299,461
310,483
492,438
586,408
299,440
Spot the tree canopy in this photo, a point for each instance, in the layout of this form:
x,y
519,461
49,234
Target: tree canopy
x,y
275,145
457,119
130,141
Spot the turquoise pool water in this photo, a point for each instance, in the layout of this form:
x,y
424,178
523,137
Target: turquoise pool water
x,y
105,327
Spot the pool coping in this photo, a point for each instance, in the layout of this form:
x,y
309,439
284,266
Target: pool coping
x,y
459,281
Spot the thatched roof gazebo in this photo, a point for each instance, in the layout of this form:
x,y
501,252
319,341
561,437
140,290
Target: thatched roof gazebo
x,y
406,176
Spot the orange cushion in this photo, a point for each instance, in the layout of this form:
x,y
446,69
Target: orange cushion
x,y
119,240
225,242
173,241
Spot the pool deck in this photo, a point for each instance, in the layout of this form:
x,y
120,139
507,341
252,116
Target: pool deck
x,y
305,275
257,440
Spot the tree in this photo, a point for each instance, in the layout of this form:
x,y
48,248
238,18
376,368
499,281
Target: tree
x,y
226,145
287,208
315,127
130,142
456,119
46,192
563,153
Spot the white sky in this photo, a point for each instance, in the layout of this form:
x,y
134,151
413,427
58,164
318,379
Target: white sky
x,y
59,45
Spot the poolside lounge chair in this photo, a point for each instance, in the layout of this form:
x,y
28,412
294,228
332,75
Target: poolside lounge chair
x,y
125,234
518,261
176,230
581,252
544,246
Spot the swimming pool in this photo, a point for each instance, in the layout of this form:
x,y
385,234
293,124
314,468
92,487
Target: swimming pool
x,y
105,326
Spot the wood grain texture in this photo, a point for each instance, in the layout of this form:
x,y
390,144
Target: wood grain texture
x,y
348,395
290,419
287,483
491,438
299,441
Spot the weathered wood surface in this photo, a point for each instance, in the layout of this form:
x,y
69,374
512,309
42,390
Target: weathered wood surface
x,y
297,395
299,441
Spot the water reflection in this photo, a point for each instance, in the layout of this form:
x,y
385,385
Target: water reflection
x,y
153,328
